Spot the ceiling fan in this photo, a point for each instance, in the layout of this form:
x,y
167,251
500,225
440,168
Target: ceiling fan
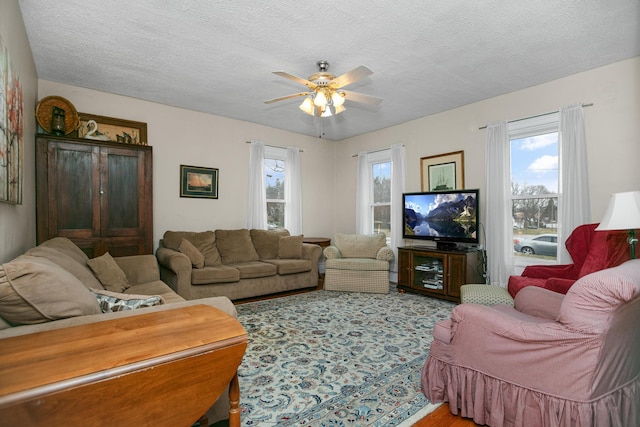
x,y
326,95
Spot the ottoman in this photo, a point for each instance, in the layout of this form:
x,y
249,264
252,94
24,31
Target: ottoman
x,y
485,295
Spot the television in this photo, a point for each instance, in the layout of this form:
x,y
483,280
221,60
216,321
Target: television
x,y
446,217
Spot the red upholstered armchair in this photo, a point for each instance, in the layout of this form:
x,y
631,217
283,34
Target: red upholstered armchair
x,y
590,251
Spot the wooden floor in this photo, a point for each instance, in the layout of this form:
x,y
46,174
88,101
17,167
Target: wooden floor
x,y
441,417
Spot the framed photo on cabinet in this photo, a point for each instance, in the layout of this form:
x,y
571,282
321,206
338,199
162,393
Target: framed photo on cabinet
x,y
198,182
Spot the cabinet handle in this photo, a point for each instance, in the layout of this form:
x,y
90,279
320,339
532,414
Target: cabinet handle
x,y
101,192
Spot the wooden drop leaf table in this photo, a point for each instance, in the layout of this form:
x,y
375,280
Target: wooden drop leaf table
x,y
165,368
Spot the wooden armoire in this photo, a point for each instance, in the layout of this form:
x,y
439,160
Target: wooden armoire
x,y
98,194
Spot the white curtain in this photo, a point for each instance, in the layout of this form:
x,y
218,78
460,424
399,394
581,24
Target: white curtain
x,y
574,207
499,221
293,192
256,198
397,188
364,223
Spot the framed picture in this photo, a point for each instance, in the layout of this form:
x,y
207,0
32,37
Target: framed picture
x,y
198,182
442,172
103,128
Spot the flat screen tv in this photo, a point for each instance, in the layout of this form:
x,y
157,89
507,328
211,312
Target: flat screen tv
x,y
446,217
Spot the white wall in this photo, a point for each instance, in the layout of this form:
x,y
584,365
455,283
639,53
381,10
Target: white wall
x,y
612,133
180,136
18,222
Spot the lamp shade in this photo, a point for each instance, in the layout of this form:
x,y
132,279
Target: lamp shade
x,y
623,212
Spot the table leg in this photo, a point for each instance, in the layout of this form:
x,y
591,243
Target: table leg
x,y
234,401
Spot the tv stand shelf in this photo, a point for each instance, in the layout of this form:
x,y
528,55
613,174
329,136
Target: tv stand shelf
x,y
438,273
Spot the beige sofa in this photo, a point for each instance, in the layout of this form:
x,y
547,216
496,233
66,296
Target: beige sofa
x,y
52,286
237,264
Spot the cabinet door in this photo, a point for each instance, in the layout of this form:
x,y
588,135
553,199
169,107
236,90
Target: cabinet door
x,y
125,192
70,203
404,268
429,269
456,274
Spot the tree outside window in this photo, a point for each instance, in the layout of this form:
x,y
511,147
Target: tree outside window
x,y
274,186
381,208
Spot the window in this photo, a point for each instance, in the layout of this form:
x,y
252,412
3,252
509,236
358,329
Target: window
x,y
534,188
380,164
274,168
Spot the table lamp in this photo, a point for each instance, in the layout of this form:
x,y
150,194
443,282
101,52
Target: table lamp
x,y
623,213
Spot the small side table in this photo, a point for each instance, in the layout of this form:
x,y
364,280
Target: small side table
x,y
323,242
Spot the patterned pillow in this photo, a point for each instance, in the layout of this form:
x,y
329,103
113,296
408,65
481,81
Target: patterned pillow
x,y
115,301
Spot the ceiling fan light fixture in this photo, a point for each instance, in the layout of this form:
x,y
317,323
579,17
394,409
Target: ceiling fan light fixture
x,y
307,106
320,99
337,98
339,109
326,112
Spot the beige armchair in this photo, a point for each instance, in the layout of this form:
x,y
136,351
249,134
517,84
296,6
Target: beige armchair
x,y
358,263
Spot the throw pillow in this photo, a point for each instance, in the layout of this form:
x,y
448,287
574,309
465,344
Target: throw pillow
x,y
187,248
235,246
290,247
109,273
266,242
115,301
36,290
204,241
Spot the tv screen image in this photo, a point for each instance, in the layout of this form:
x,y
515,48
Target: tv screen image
x,y
442,216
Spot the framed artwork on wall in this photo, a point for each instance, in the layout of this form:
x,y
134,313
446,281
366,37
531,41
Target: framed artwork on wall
x,y
442,172
198,182
103,128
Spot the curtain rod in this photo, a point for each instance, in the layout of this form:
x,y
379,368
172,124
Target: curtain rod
x,y
375,151
537,115
273,146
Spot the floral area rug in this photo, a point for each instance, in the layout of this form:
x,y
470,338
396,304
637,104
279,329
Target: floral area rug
x,y
334,359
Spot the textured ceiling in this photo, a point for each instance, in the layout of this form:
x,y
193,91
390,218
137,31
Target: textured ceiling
x,y
427,56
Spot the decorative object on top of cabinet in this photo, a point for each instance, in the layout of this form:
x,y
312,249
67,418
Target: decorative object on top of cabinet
x,y
44,113
198,182
442,172
111,129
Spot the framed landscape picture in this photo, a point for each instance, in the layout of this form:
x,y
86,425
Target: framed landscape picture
x,y
442,172
198,182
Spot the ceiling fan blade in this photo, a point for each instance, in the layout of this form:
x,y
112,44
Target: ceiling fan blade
x,y
305,82
283,98
360,97
351,76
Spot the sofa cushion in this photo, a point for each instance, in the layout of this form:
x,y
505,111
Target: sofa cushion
x,y
157,287
357,264
70,263
36,290
66,246
195,256
235,246
290,266
204,241
360,245
290,247
266,242
209,275
111,302
253,269
109,273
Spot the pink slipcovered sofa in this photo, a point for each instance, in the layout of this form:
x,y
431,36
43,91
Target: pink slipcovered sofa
x,y
590,251
551,360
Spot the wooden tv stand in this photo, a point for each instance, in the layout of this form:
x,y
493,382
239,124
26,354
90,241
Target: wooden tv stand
x,y
438,273
161,368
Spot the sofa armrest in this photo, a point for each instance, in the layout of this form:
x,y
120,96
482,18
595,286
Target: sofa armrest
x,y
564,271
385,254
332,252
175,270
538,302
311,252
139,269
